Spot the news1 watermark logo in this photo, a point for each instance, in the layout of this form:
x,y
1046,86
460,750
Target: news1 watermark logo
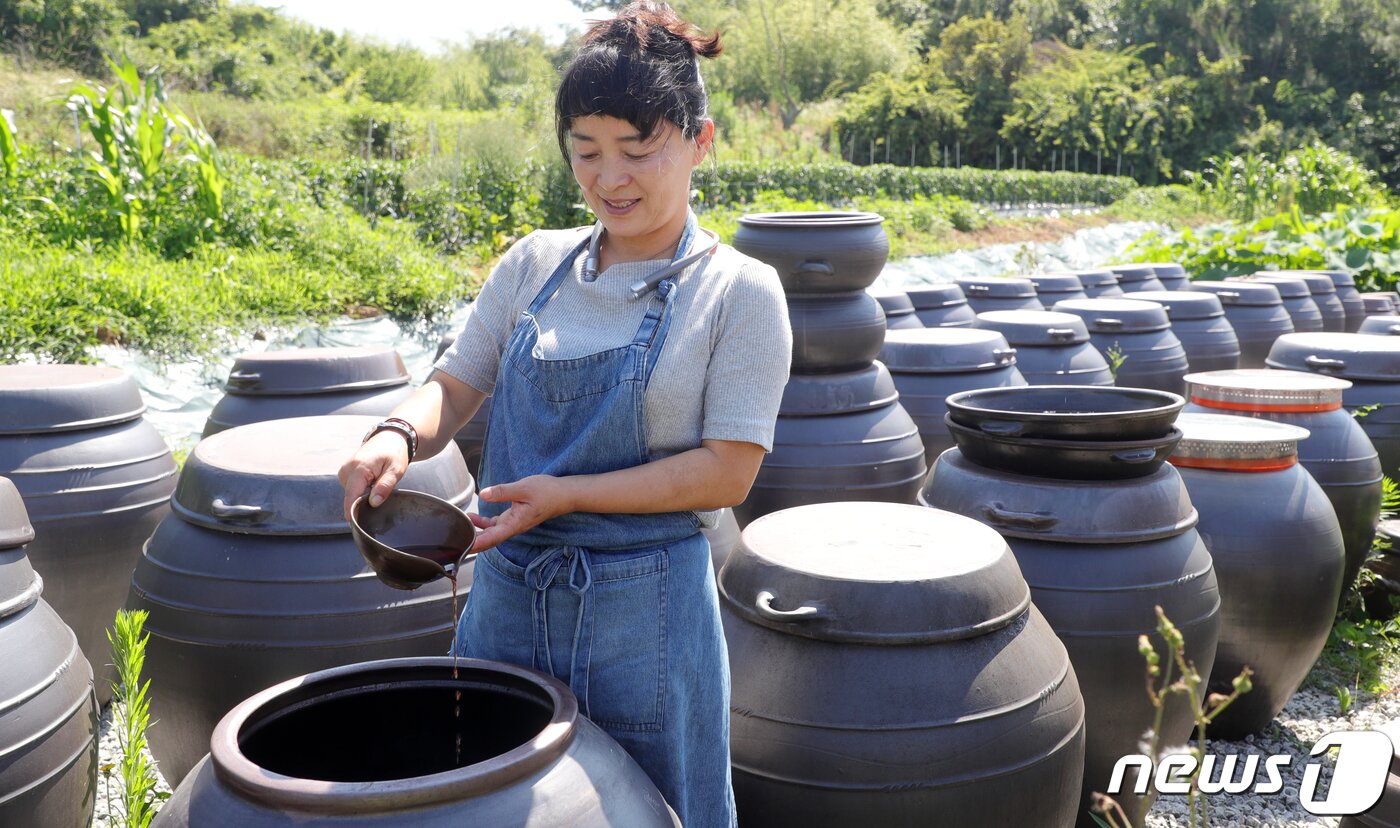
x,y
1358,780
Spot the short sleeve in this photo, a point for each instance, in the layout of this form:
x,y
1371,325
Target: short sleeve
x,y
752,355
475,356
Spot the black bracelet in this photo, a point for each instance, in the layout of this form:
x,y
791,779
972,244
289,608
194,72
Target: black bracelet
x,y
399,426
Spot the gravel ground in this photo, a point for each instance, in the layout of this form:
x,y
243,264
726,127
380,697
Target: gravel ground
x,y
1310,715
109,786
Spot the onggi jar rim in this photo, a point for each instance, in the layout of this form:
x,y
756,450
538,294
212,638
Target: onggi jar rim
x,y
814,219
239,772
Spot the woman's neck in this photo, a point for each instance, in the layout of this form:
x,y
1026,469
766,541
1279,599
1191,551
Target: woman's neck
x,y
660,244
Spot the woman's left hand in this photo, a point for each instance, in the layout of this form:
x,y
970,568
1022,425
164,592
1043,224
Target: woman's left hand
x,y
533,500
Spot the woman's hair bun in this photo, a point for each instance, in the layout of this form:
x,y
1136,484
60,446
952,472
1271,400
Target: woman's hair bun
x,y
650,24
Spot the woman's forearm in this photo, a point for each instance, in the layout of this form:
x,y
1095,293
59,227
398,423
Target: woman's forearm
x,y
715,475
438,410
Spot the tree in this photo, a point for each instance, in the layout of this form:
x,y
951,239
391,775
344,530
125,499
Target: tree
x,y
1106,103
74,32
903,117
983,57
790,53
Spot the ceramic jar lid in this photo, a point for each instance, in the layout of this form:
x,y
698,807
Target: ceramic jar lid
x,y
1117,315
874,573
1340,278
1289,287
296,371
1096,278
1028,328
40,398
1167,270
20,585
279,477
1245,444
813,220
1266,390
1184,304
893,301
1380,302
1129,273
1241,293
1351,356
1070,511
1319,283
814,395
15,529
1057,283
995,287
930,297
1382,323
945,350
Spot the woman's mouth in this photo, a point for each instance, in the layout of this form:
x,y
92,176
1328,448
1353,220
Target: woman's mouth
x,y
619,207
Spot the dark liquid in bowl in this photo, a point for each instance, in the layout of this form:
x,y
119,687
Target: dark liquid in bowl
x,y
443,555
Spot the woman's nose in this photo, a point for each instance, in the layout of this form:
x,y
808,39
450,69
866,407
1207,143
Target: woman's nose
x,y
613,175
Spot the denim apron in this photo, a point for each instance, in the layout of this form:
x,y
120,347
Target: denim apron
x,y
621,607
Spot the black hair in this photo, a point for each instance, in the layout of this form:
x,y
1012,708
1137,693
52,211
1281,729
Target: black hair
x,y
640,66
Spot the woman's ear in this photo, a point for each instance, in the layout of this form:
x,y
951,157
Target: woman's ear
x,y
704,141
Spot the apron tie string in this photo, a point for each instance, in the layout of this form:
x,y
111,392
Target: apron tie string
x,y
539,575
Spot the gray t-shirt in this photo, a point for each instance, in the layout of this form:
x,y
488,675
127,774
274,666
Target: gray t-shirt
x,y
725,360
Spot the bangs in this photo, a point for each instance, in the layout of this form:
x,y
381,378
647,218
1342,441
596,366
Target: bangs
x,y
604,80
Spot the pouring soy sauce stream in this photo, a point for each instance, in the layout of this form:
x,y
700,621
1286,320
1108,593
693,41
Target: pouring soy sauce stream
x,y
412,539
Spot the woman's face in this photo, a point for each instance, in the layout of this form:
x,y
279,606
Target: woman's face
x,y
638,189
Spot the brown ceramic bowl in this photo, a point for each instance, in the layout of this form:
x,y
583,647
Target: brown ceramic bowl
x,y
412,538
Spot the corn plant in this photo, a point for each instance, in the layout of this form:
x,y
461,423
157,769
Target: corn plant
x,y
1161,684
132,713
9,146
137,133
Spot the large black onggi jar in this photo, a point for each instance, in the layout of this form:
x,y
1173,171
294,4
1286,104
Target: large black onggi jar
x,y
1278,555
305,382
1099,556
941,306
48,713
376,744
889,669
1337,452
1198,320
929,364
1371,363
255,578
817,252
1257,314
96,479
1139,332
1051,348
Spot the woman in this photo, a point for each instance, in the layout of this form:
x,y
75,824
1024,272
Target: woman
x,y
619,423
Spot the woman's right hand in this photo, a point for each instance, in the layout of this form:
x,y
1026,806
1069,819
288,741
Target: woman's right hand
x,y
376,467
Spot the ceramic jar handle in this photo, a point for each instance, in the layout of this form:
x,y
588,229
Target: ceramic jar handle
x,y
815,267
1108,323
1136,456
220,509
764,606
243,379
1060,334
1004,356
1325,363
1033,521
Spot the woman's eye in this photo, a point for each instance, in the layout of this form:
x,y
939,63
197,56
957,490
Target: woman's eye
x,y
587,156
644,156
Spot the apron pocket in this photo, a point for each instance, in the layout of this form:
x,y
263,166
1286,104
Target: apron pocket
x,y
626,685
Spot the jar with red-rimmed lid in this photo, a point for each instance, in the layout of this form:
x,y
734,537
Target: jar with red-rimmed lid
x,y
1278,554
1338,454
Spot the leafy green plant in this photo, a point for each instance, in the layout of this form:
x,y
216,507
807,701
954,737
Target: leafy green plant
x,y
1363,241
132,713
1314,178
1161,685
136,130
1116,358
9,146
